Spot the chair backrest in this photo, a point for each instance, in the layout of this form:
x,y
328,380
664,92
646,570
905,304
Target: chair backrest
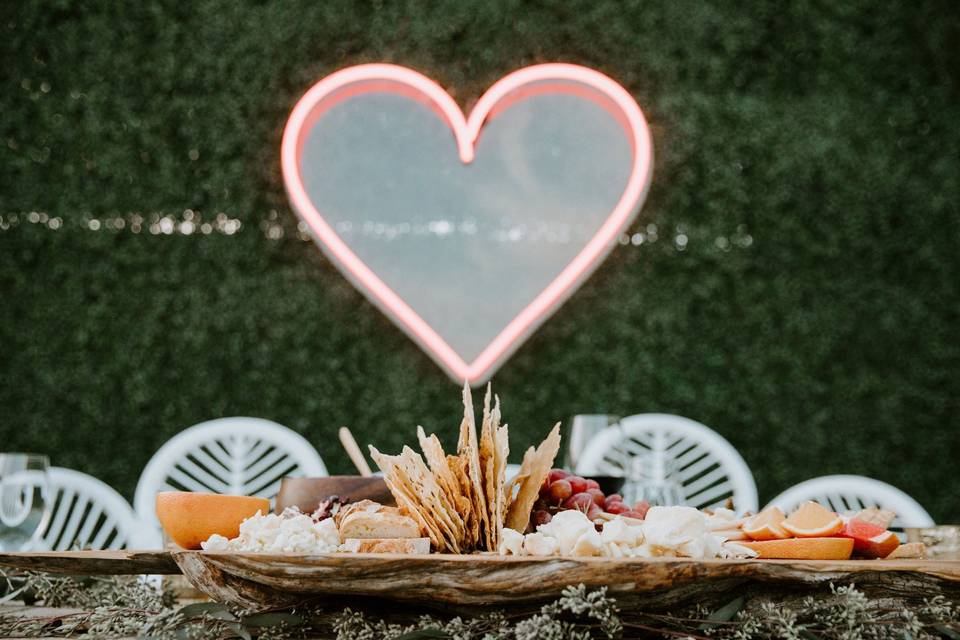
x,y
237,456
88,514
707,467
843,493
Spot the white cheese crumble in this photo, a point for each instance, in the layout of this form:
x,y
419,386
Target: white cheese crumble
x,y
291,532
666,531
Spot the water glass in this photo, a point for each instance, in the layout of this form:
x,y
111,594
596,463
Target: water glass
x,y
24,500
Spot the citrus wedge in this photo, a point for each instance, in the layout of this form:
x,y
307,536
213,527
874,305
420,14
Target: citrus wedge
x,y
766,525
812,520
802,548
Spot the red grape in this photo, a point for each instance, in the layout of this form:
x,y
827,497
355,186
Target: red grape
x,y
616,507
642,507
541,517
581,501
592,484
540,505
594,512
614,497
632,514
560,491
578,484
556,474
598,496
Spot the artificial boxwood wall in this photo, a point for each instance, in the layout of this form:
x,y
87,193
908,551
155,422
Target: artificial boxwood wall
x,y
793,280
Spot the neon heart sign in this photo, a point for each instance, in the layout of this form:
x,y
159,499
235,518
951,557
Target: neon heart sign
x,y
467,232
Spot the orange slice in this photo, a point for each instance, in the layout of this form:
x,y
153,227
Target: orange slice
x,y
803,548
766,525
812,520
190,518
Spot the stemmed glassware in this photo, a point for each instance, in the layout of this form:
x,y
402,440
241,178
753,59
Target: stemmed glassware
x,y
24,500
648,475
582,429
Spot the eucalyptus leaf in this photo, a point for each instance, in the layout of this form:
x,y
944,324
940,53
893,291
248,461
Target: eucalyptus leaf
x,y
724,613
947,631
214,610
238,630
271,620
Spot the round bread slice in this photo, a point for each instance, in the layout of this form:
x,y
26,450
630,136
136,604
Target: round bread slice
x,y
386,522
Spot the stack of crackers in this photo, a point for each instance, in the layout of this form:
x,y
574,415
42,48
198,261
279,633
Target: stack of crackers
x,y
463,502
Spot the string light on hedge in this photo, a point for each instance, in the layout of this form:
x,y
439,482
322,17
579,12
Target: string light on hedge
x,y
194,223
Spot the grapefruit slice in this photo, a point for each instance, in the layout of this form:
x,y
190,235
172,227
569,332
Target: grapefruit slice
x,y
879,546
861,532
190,518
812,520
802,548
766,525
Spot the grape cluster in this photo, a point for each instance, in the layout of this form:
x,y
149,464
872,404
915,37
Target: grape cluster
x,y
561,491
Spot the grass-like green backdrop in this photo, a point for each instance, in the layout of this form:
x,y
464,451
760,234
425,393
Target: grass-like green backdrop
x,y
807,152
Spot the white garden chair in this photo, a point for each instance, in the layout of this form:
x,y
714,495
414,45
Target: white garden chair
x,y
676,450
86,513
846,493
235,456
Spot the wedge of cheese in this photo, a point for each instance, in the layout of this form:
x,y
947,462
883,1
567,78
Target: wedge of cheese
x,y
419,546
368,520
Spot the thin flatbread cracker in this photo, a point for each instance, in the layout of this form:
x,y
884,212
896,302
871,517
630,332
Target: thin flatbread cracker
x,y
536,465
487,462
458,467
412,486
469,447
436,458
494,448
403,495
432,500
501,442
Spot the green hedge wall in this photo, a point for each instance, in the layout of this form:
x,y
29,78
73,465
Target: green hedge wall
x,y
809,152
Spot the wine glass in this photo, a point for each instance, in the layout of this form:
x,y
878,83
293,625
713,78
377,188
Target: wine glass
x,y
24,500
582,429
653,478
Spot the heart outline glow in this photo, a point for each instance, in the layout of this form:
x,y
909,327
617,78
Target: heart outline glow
x,y
466,131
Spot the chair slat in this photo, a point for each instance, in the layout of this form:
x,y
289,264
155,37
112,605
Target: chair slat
x,y
213,465
216,484
103,534
256,452
62,503
716,497
690,456
273,474
698,467
263,464
89,524
705,482
73,524
187,482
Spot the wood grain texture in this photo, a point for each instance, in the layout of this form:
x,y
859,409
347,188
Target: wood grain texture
x,y
258,579
93,562
468,584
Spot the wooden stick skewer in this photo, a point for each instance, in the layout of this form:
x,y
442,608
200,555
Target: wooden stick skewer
x,y
353,450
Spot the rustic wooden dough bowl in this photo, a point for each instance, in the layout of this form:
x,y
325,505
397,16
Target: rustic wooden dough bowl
x,y
378,583
448,581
